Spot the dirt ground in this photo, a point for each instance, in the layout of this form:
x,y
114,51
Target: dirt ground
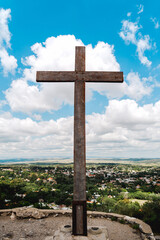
x,y
39,229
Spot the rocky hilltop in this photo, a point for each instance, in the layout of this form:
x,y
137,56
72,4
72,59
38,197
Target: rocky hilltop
x,y
31,223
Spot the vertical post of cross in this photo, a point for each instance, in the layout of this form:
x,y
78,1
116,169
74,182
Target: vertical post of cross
x,y
79,77
79,212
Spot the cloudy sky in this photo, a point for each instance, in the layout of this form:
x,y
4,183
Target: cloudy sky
x,y
122,120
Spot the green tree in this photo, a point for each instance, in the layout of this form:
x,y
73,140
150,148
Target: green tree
x,y
108,204
127,208
151,214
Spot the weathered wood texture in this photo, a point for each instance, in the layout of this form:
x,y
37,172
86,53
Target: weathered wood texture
x,y
79,218
80,59
79,143
69,76
79,131
79,225
79,76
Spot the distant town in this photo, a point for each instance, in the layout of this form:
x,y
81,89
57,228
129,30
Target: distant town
x,y
132,190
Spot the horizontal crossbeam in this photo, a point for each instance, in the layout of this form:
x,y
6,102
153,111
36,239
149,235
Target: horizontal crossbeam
x,y
87,76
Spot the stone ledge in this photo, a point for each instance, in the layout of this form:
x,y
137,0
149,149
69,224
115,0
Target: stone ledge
x,y
25,212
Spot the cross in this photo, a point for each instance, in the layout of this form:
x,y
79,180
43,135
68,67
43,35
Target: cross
x,y
79,76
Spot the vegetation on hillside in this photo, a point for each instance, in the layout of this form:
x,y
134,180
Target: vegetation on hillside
x,y
110,188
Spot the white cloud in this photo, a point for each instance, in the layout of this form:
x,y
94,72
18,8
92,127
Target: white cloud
x,y
27,137
26,98
29,97
156,23
54,55
144,44
140,8
37,117
58,53
101,58
129,14
129,33
5,36
8,62
136,88
158,67
133,87
124,130
2,103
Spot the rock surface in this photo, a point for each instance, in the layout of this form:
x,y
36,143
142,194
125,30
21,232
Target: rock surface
x,y
32,232
29,212
100,233
41,229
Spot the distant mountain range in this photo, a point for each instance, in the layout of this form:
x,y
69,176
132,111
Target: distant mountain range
x,y
144,161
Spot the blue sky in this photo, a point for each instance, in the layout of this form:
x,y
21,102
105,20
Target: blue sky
x,y
122,120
